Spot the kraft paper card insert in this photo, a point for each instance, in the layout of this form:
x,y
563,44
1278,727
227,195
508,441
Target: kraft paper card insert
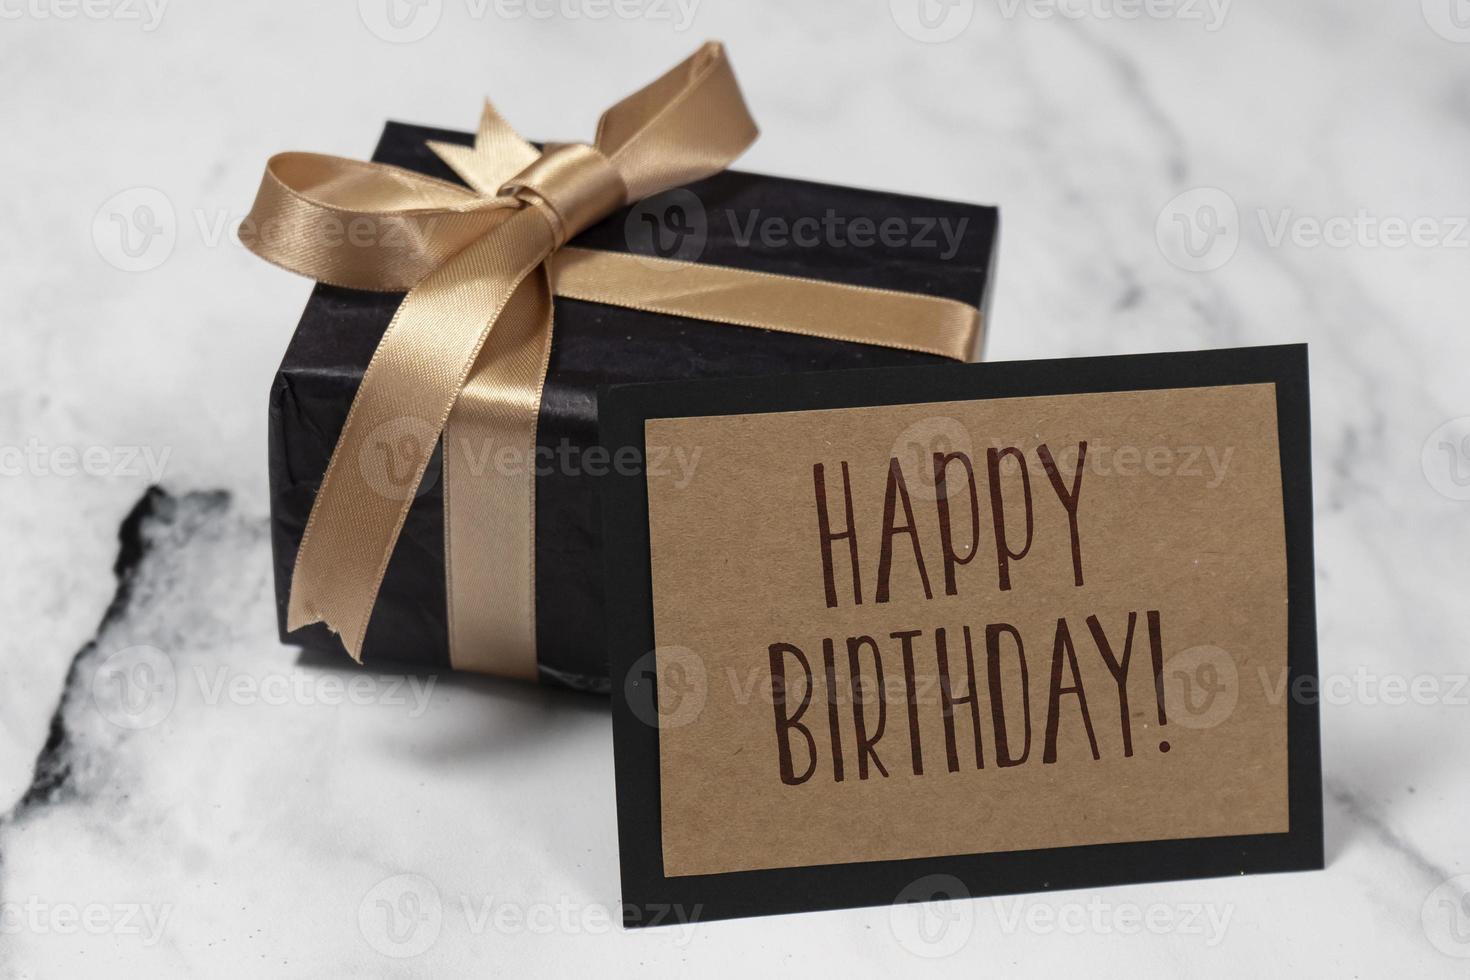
x,y
893,622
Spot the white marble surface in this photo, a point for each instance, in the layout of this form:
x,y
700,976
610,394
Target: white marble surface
x,y
253,826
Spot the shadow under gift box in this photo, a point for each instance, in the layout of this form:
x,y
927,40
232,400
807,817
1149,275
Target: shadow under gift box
x,y
749,221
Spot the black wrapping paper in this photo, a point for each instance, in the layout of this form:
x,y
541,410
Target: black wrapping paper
x,y
749,221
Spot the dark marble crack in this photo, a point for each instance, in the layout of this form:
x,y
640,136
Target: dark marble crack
x,y
1358,811
51,776
1125,69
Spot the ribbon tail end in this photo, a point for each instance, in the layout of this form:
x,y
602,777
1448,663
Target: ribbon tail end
x,y
300,614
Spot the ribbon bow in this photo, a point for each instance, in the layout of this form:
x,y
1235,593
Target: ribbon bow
x,y
468,348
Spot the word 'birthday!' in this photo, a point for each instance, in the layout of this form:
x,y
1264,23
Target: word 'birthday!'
x,y
800,683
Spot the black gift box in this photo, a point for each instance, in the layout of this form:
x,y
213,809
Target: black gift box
x,y
749,221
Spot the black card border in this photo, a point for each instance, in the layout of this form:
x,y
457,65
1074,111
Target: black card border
x,y
650,898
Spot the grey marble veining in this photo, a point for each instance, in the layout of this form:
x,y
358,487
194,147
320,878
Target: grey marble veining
x,y
182,794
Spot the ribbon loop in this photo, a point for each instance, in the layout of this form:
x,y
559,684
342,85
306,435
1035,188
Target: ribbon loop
x,y
682,127
361,225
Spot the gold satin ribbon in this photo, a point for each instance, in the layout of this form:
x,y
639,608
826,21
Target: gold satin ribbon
x,y
466,353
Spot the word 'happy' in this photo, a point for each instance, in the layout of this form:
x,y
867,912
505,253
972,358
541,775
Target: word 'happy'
x,y
896,495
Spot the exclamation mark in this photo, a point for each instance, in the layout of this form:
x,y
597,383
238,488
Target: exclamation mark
x,y
1156,648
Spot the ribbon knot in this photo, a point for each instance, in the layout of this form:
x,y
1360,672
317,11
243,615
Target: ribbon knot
x,y
466,353
573,184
